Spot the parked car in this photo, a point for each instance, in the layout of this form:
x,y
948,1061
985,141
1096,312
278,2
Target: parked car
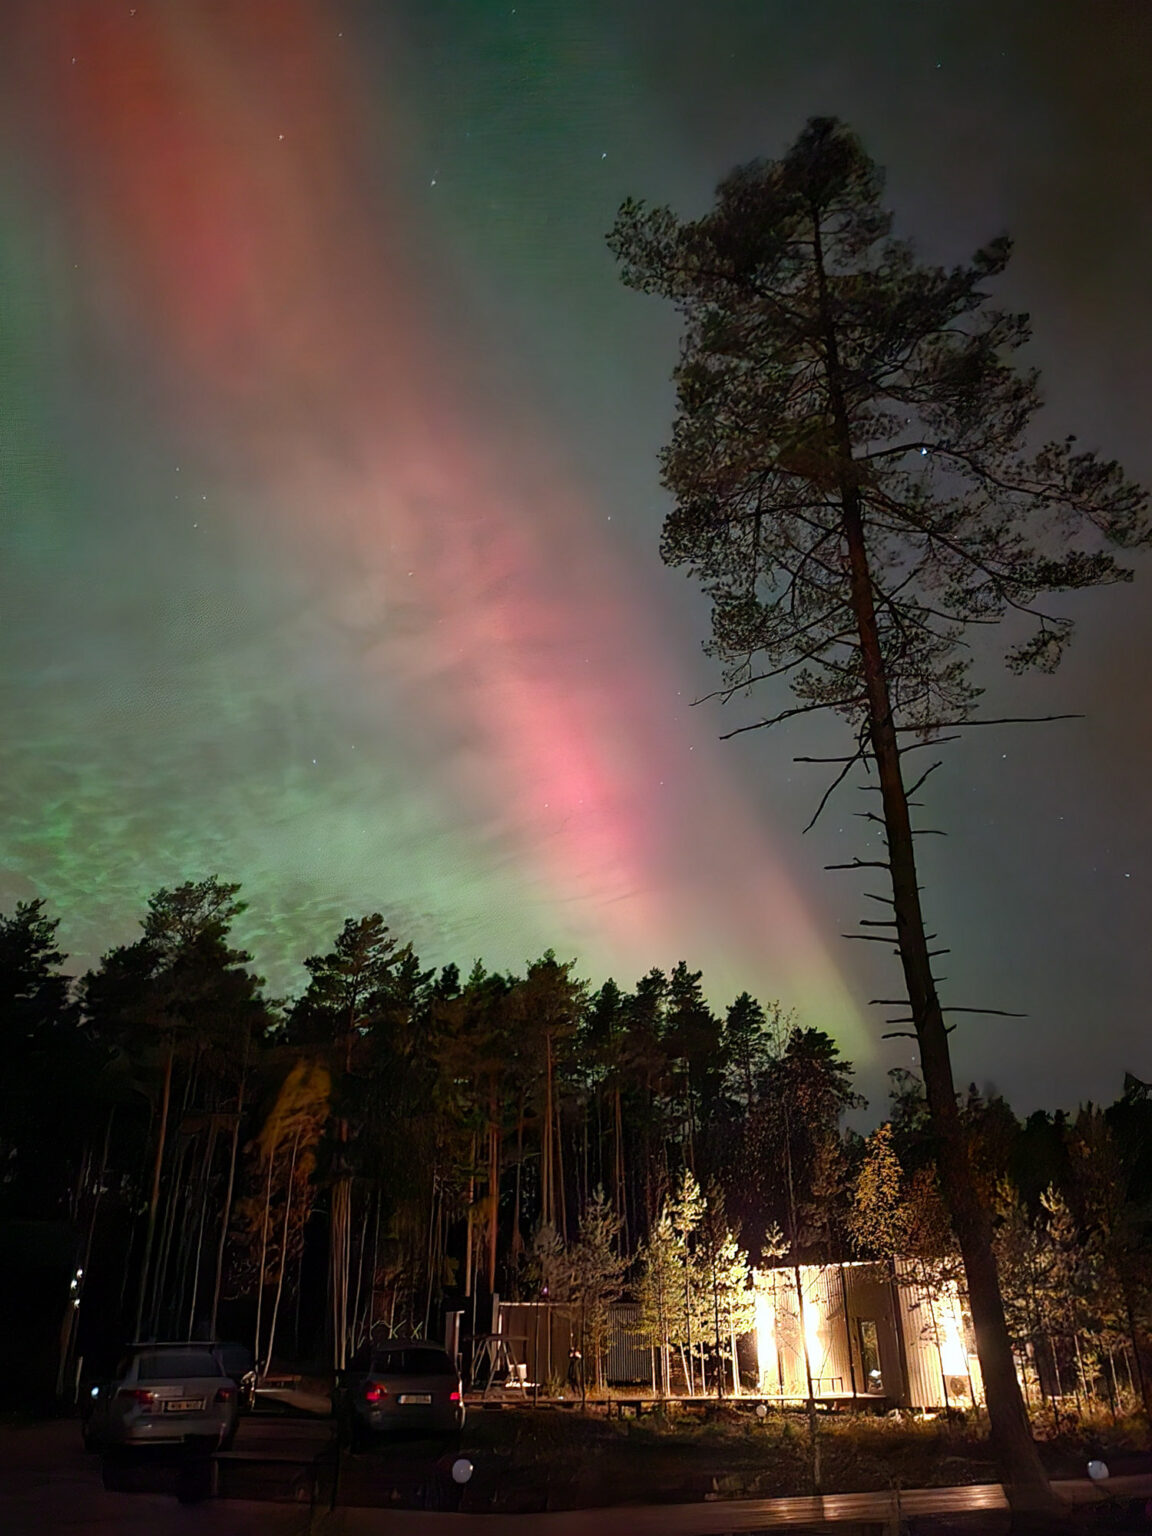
x,y
163,1394
408,1385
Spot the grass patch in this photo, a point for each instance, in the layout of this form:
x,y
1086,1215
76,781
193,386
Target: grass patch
x,y
563,1460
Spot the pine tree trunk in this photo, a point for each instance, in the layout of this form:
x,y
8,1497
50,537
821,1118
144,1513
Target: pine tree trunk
x,y
716,1321
493,1196
546,1211
223,1239
1025,1479
263,1259
470,1219
340,1265
154,1202
618,1164
283,1249
517,1239
561,1198
198,1258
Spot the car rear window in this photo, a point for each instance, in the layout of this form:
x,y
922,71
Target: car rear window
x,y
171,1364
413,1362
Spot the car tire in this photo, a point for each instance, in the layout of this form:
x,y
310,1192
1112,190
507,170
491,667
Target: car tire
x,y
92,1442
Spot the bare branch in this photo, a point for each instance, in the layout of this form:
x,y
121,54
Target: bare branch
x,y
953,725
1001,1013
788,714
918,746
830,791
920,780
855,758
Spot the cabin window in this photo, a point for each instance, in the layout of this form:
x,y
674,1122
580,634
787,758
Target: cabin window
x,y
870,1354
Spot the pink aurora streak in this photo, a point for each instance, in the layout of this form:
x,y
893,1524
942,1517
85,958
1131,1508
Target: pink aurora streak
x,y
215,160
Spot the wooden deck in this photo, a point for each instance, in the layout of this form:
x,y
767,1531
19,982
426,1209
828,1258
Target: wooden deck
x,y
877,1512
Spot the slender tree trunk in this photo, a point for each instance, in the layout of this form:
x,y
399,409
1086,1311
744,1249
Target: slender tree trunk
x,y
222,1241
68,1353
1024,1475
373,1271
848,1333
430,1254
153,1204
586,1191
690,1370
794,1238
199,1255
340,1264
167,1232
618,1169
1081,1378
283,1248
471,1198
561,1200
547,1213
263,1257
493,1196
813,1421
356,1337
517,1238
716,1322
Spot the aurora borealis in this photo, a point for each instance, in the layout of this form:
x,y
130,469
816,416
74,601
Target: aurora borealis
x,y
331,510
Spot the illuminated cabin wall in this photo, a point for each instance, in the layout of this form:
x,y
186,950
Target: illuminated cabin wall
x,y
943,1372
920,1337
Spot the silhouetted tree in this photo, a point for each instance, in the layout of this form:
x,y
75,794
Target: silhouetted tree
x,y
179,1004
47,1058
853,489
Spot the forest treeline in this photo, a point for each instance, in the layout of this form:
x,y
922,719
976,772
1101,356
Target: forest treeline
x,y
398,1139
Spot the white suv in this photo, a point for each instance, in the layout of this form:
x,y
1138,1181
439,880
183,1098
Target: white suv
x,y
163,1394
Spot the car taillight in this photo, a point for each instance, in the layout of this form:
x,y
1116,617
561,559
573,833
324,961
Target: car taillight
x,y
225,1395
453,1397
373,1392
138,1396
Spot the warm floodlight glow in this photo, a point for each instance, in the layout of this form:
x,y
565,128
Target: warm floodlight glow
x,y
953,1355
766,1359
813,1343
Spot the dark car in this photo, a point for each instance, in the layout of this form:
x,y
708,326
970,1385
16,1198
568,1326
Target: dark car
x,y
408,1385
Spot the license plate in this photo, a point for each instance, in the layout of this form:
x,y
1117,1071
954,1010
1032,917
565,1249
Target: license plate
x,y
414,1397
184,1405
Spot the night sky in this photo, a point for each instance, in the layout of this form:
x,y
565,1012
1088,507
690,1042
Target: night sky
x,y
330,505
